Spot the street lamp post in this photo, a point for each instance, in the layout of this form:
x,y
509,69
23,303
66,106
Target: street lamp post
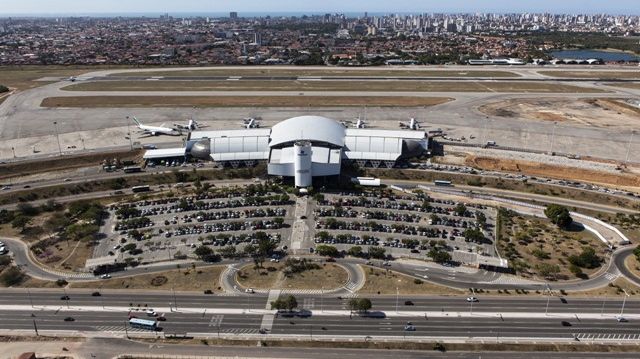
x,y
624,300
397,298
55,125
175,301
322,300
546,309
66,297
30,299
602,310
14,151
471,301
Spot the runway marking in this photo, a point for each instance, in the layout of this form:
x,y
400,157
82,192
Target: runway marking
x,y
308,303
234,78
216,320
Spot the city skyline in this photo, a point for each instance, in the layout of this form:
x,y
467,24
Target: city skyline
x,y
71,7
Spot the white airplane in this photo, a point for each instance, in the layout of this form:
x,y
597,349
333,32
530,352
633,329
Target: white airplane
x,y
360,123
250,122
192,125
413,124
156,130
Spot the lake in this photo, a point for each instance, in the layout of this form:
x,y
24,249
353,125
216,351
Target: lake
x,y
594,54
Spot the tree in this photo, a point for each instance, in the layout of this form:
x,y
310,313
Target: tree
x,y
439,256
460,209
203,251
355,251
587,259
11,276
20,222
287,302
636,252
361,305
27,209
548,270
3,89
482,220
559,215
473,235
325,250
377,253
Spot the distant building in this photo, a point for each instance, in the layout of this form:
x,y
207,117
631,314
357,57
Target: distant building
x,y
233,15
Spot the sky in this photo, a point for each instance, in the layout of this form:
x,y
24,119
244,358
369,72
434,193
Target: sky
x,y
628,7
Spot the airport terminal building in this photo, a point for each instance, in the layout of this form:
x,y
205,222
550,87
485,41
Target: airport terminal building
x,y
305,147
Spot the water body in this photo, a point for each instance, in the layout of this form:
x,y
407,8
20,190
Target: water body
x,y
595,54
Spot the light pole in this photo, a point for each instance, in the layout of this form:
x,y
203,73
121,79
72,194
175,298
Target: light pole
x,y
626,157
14,151
175,301
471,301
55,125
603,302
66,297
624,300
546,309
553,136
129,135
322,300
83,147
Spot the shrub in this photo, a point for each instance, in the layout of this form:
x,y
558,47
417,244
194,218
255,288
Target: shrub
x,y
159,280
61,282
11,276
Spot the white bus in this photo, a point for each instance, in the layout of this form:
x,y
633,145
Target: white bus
x,y
143,324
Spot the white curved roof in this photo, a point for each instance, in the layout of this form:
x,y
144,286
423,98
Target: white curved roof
x,y
313,128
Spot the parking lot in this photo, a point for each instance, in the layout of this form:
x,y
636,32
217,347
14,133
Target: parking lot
x,y
407,225
172,227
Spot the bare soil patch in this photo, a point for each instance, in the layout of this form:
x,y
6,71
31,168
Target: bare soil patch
x,y
631,85
553,171
596,112
243,101
285,85
25,168
180,279
380,281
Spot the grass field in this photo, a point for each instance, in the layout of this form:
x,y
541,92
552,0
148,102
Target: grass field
x,y
593,74
330,276
248,71
183,279
245,101
380,281
287,85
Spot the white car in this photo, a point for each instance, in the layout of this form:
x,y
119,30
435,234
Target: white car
x,y
472,299
621,319
151,313
105,276
249,290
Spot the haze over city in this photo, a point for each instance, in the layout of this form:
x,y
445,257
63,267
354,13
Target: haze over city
x,y
41,7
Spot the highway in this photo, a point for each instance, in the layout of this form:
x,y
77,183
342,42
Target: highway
x,y
212,323
198,302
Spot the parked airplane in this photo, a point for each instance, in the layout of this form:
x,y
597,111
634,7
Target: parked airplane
x,y
192,125
250,122
156,130
358,124
413,124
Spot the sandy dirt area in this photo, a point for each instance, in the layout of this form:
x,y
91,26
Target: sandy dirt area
x,y
596,112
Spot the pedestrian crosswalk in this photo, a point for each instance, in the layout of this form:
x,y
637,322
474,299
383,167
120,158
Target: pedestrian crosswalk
x,y
118,329
351,287
239,331
605,336
611,276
